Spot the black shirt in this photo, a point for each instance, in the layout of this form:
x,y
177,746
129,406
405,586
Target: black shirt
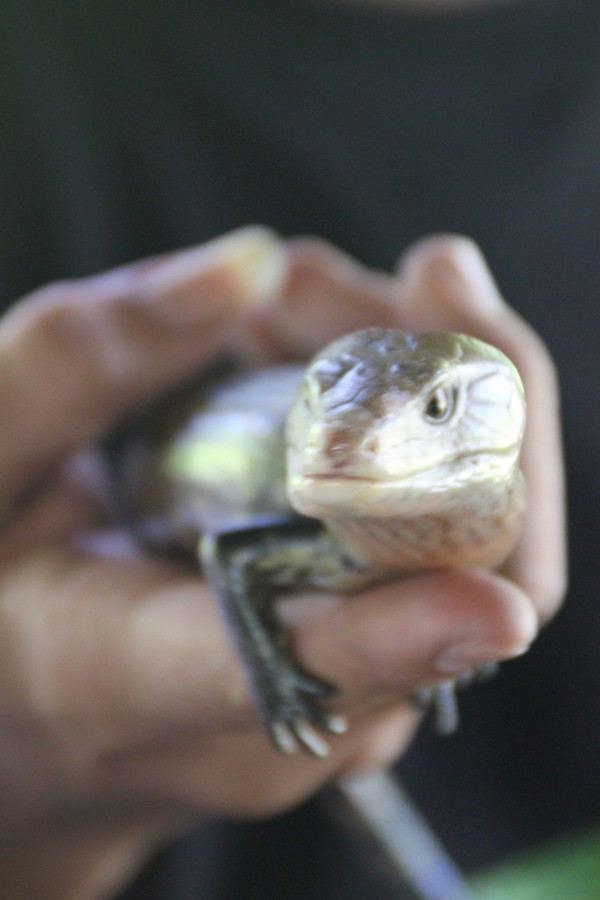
x,y
133,128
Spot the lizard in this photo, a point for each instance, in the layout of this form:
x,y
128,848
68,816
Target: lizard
x,y
389,453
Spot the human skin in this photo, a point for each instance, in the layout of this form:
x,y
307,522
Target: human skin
x,y
123,711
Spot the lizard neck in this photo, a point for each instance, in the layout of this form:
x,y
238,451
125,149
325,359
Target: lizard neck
x,y
465,528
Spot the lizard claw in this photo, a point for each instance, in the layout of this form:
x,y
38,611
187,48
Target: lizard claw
x,y
293,715
289,737
442,699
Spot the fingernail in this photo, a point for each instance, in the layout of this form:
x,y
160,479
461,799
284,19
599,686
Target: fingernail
x,y
302,609
253,260
244,269
468,654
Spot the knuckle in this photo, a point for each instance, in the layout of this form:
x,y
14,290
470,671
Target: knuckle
x,y
55,313
48,294
59,343
83,326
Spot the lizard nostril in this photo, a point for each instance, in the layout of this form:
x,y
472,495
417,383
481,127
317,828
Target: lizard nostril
x,y
338,447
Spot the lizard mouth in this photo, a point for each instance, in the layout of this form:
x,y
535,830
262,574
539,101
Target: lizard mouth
x,y
337,476
448,465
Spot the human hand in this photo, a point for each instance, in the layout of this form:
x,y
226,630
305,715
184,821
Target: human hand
x,y
123,707
443,283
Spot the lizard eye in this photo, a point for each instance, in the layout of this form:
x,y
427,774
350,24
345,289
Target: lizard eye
x,y
440,405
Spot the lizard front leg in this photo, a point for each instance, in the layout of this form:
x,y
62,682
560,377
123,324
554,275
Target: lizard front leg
x,y
246,568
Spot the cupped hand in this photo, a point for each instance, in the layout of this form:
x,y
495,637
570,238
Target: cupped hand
x,y
124,709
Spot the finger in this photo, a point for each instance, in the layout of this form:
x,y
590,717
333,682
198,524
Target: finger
x,y
447,285
125,659
129,651
390,728
115,651
394,638
75,357
66,504
326,294
248,776
139,680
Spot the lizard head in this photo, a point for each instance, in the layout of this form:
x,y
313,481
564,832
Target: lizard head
x,y
385,420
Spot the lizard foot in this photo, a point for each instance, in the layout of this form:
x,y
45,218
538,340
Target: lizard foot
x,y
293,715
442,700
